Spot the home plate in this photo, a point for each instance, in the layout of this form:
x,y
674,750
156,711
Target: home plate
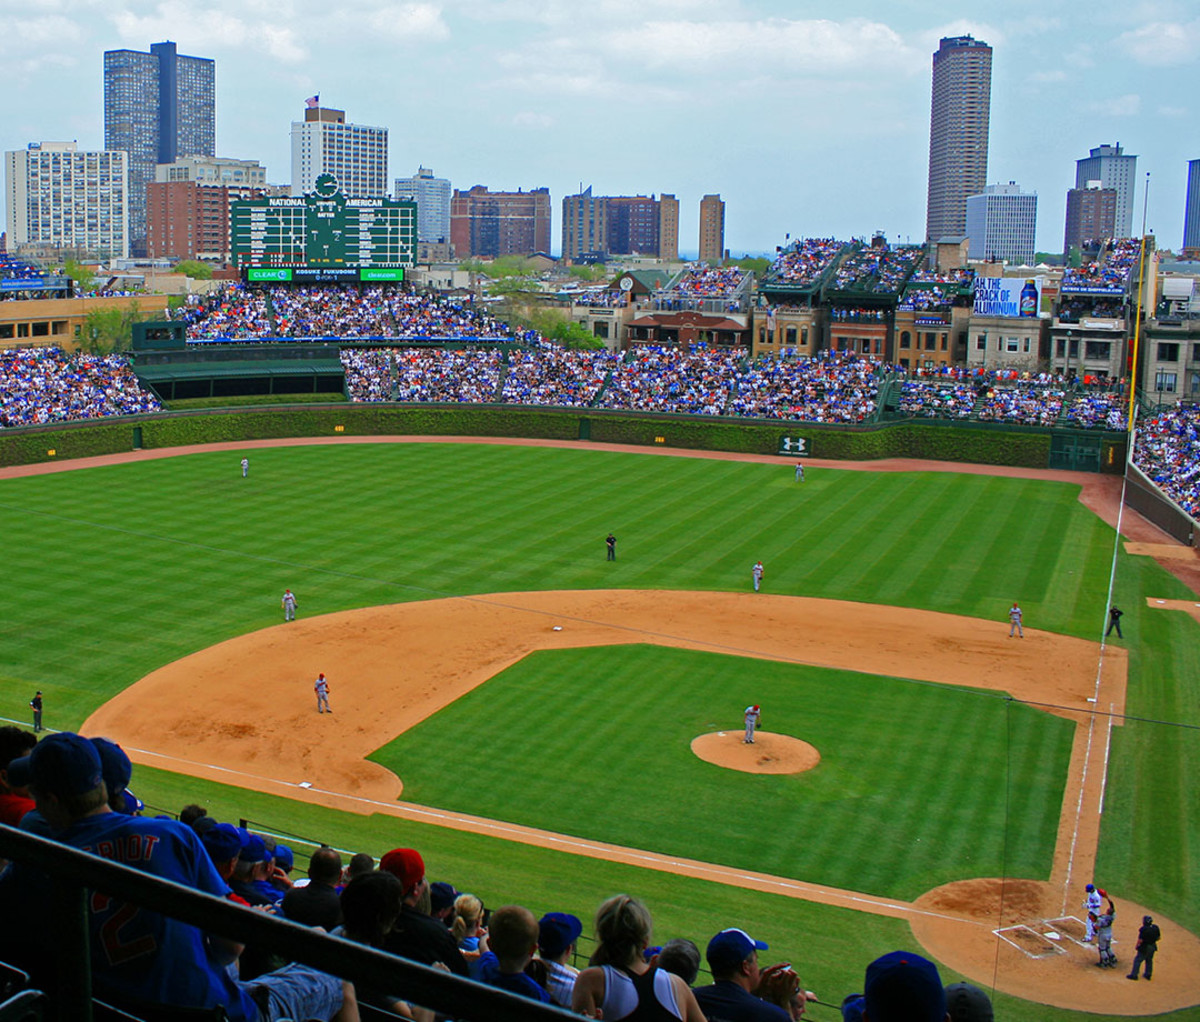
x,y
1051,935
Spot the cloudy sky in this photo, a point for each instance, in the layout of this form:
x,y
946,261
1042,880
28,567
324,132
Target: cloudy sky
x,y
807,118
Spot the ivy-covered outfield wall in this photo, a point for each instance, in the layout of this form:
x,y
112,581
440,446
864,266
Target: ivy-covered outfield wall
x,y
990,444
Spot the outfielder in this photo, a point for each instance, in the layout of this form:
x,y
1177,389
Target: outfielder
x,y
756,573
799,471
321,687
245,467
1091,909
289,605
751,723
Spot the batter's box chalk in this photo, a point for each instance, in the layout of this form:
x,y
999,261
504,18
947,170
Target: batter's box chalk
x,y
1070,927
1028,941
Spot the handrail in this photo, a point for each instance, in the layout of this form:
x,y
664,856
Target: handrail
x,y
433,988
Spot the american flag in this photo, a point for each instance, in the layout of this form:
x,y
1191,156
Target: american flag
x,y
312,102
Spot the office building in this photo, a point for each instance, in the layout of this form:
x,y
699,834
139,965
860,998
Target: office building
x,y
1191,210
668,228
432,196
1091,215
61,198
158,106
490,224
1109,165
214,170
712,229
958,133
1002,224
618,225
355,154
190,219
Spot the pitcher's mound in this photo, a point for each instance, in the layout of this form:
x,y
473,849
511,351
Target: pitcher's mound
x,y
770,753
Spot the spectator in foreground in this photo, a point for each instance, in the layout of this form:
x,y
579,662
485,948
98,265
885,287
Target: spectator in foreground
x,y
317,902
965,1002
513,935
167,962
682,957
738,988
904,987
620,981
557,934
14,799
417,935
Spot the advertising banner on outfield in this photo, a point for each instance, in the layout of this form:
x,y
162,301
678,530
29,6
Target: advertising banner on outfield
x,y
1008,296
794,446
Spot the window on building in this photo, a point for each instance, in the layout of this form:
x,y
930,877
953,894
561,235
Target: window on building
x,y
1164,382
1099,350
804,336
981,342
1011,344
905,340
1196,352
945,341
1168,352
789,337
1025,347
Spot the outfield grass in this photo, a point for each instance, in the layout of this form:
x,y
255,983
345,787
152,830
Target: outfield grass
x,y
922,770
112,572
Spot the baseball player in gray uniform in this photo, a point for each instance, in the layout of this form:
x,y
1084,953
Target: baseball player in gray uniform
x,y
756,573
289,605
751,718
1014,622
245,467
321,687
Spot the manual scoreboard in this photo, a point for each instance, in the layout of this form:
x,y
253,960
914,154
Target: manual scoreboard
x,y
323,229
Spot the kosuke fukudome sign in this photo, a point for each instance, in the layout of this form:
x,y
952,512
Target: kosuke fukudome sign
x,y
1008,296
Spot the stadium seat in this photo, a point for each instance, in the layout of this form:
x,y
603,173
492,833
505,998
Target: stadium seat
x,y
26,1006
141,1011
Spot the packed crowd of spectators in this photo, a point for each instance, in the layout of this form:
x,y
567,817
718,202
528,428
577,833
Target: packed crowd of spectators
x,y
702,281
13,268
924,399
45,385
803,263
597,297
233,312
829,388
435,375
696,381
550,375
1112,273
841,314
368,373
1097,410
1072,310
1168,451
877,268
1027,404
427,317
74,790
325,311
959,278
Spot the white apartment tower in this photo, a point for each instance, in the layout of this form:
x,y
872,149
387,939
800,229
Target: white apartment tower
x,y
432,196
355,154
59,196
1109,165
1002,224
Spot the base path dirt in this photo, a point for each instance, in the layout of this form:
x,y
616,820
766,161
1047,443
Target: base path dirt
x,y
1020,936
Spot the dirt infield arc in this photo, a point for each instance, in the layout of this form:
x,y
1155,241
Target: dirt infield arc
x,y
198,709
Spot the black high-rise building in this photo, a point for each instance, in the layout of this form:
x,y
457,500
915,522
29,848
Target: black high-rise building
x,y
158,106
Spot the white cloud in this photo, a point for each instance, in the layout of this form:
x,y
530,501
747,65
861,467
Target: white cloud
x,y
1163,43
269,35
1048,77
531,119
1128,105
52,30
1173,111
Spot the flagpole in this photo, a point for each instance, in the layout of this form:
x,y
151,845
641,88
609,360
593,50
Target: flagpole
x,y
1137,322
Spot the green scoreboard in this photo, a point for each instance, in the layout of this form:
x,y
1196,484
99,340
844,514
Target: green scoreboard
x,y
323,230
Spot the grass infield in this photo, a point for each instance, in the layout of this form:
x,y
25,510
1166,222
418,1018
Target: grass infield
x,y
112,572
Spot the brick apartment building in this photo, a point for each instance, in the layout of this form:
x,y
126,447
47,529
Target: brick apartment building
x,y
490,224
188,220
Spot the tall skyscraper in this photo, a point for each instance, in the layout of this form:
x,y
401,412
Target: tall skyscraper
x,y
668,227
355,154
712,229
484,223
432,196
958,133
1113,169
1002,224
1191,211
615,224
1091,215
585,224
157,106
60,197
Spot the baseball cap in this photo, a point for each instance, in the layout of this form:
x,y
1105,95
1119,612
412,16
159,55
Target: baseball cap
x,y
63,764
852,1007
253,849
203,824
901,986
557,931
285,858
117,772
222,842
967,1003
1147,920
1090,887
406,865
441,895
729,948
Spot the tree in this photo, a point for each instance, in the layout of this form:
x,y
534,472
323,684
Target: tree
x,y
194,268
752,264
108,330
80,274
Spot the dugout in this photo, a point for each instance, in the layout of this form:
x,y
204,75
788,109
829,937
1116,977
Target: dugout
x,y
247,370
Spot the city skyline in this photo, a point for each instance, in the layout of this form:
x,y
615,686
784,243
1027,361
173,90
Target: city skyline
x,y
806,126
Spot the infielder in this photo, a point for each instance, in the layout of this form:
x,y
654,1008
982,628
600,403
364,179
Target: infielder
x,y
289,605
245,467
751,723
1014,619
321,687
1091,909
756,573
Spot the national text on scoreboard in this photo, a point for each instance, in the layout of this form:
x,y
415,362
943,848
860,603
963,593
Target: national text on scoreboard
x,y
323,231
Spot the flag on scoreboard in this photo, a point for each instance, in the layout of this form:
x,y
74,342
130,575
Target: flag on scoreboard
x,y
312,102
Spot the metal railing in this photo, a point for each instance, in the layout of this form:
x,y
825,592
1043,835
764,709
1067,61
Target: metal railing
x,y
74,872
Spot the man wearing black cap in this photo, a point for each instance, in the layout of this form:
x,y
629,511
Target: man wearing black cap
x,y
737,981
1147,944
904,987
140,953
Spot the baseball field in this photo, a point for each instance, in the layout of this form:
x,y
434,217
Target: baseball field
x,y
526,713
